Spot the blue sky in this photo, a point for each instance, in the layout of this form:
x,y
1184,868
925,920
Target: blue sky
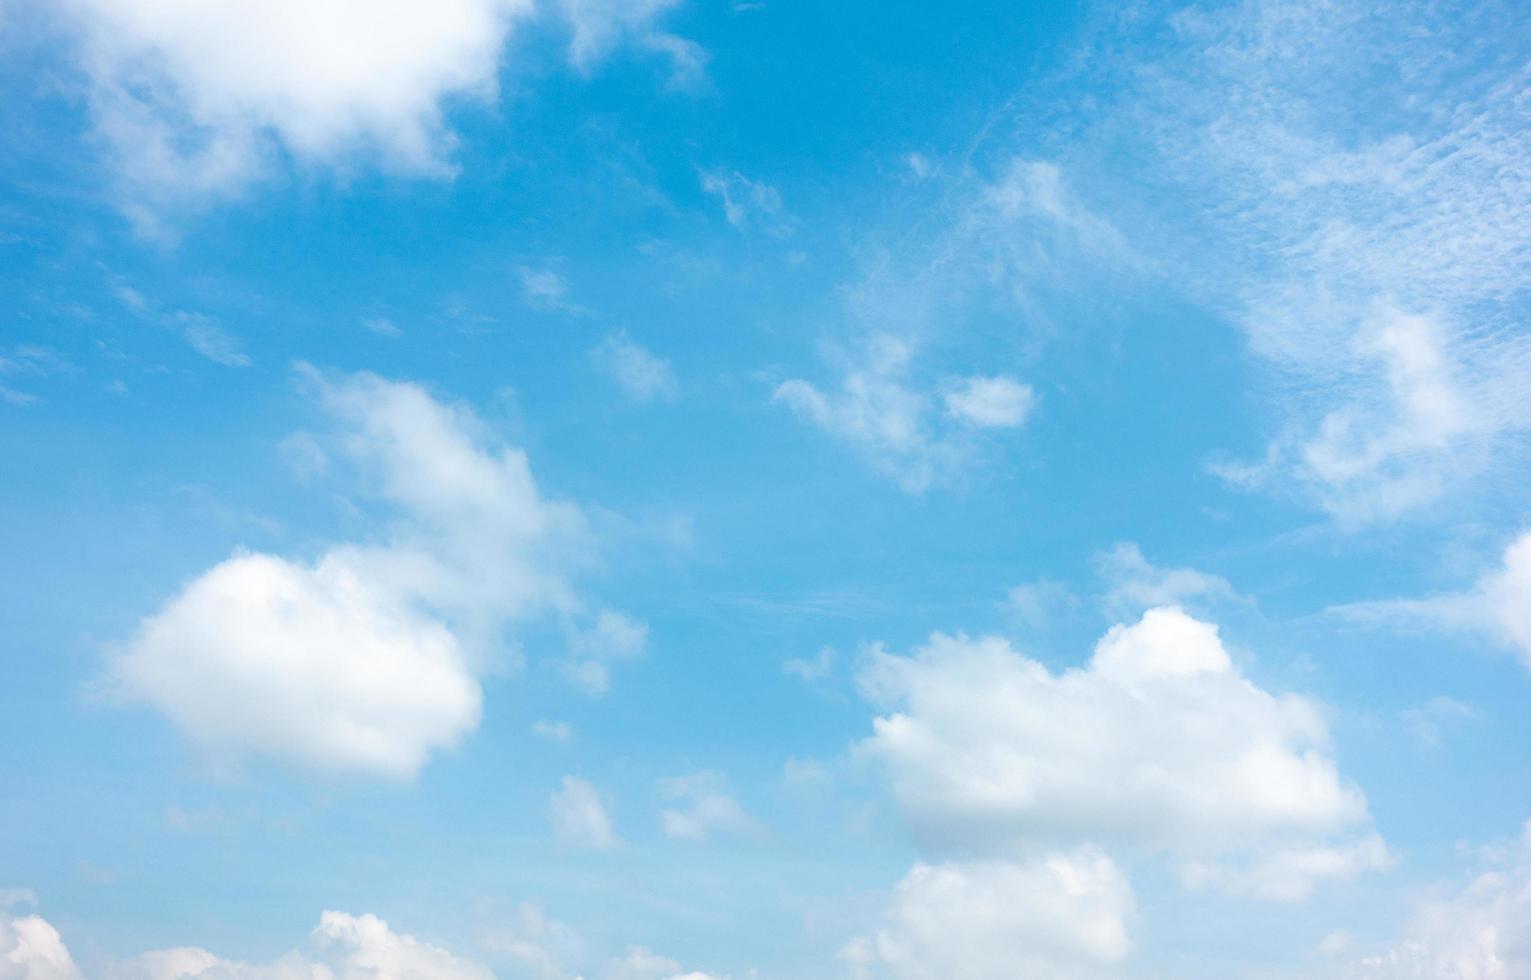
x,y
667,489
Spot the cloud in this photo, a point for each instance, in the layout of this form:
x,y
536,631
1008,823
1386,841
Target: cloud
x,y
210,340
31,949
811,671
991,402
642,375
1065,915
341,946
1498,606
640,963
553,731
196,103
593,650
546,289
1157,744
1134,584
367,657
702,807
542,946
579,819
1364,226
877,411
1480,932
747,203
598,26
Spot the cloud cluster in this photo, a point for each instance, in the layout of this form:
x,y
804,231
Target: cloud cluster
x,y
1018,775
897,423
1062,916
1368,226
367,657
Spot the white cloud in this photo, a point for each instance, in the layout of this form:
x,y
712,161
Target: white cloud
x,y
341,947
541,945
368,656
1498,606
747,203
598,26
1480,932
639,963
1426,720
578,817
881,414
31,949
702,806
546,289
810,671
1134,584
593,650
198,101
553,731
1157,743
1064,915
643,375
1364,226
316,663
990,402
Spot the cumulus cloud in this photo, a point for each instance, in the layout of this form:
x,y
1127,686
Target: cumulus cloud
x,y
641,374
367,657
1158,743
31,949
198,101
578,817
341,947
701,805
1065,915
1498,606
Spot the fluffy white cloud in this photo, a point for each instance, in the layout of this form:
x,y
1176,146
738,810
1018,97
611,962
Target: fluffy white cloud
x,y
994,403
367,657
318,663
643,375
341,947
1157,743
31,949
200,99
1065,915
578,817
701,806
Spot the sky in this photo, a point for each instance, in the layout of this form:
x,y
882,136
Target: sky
x,y
707,490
